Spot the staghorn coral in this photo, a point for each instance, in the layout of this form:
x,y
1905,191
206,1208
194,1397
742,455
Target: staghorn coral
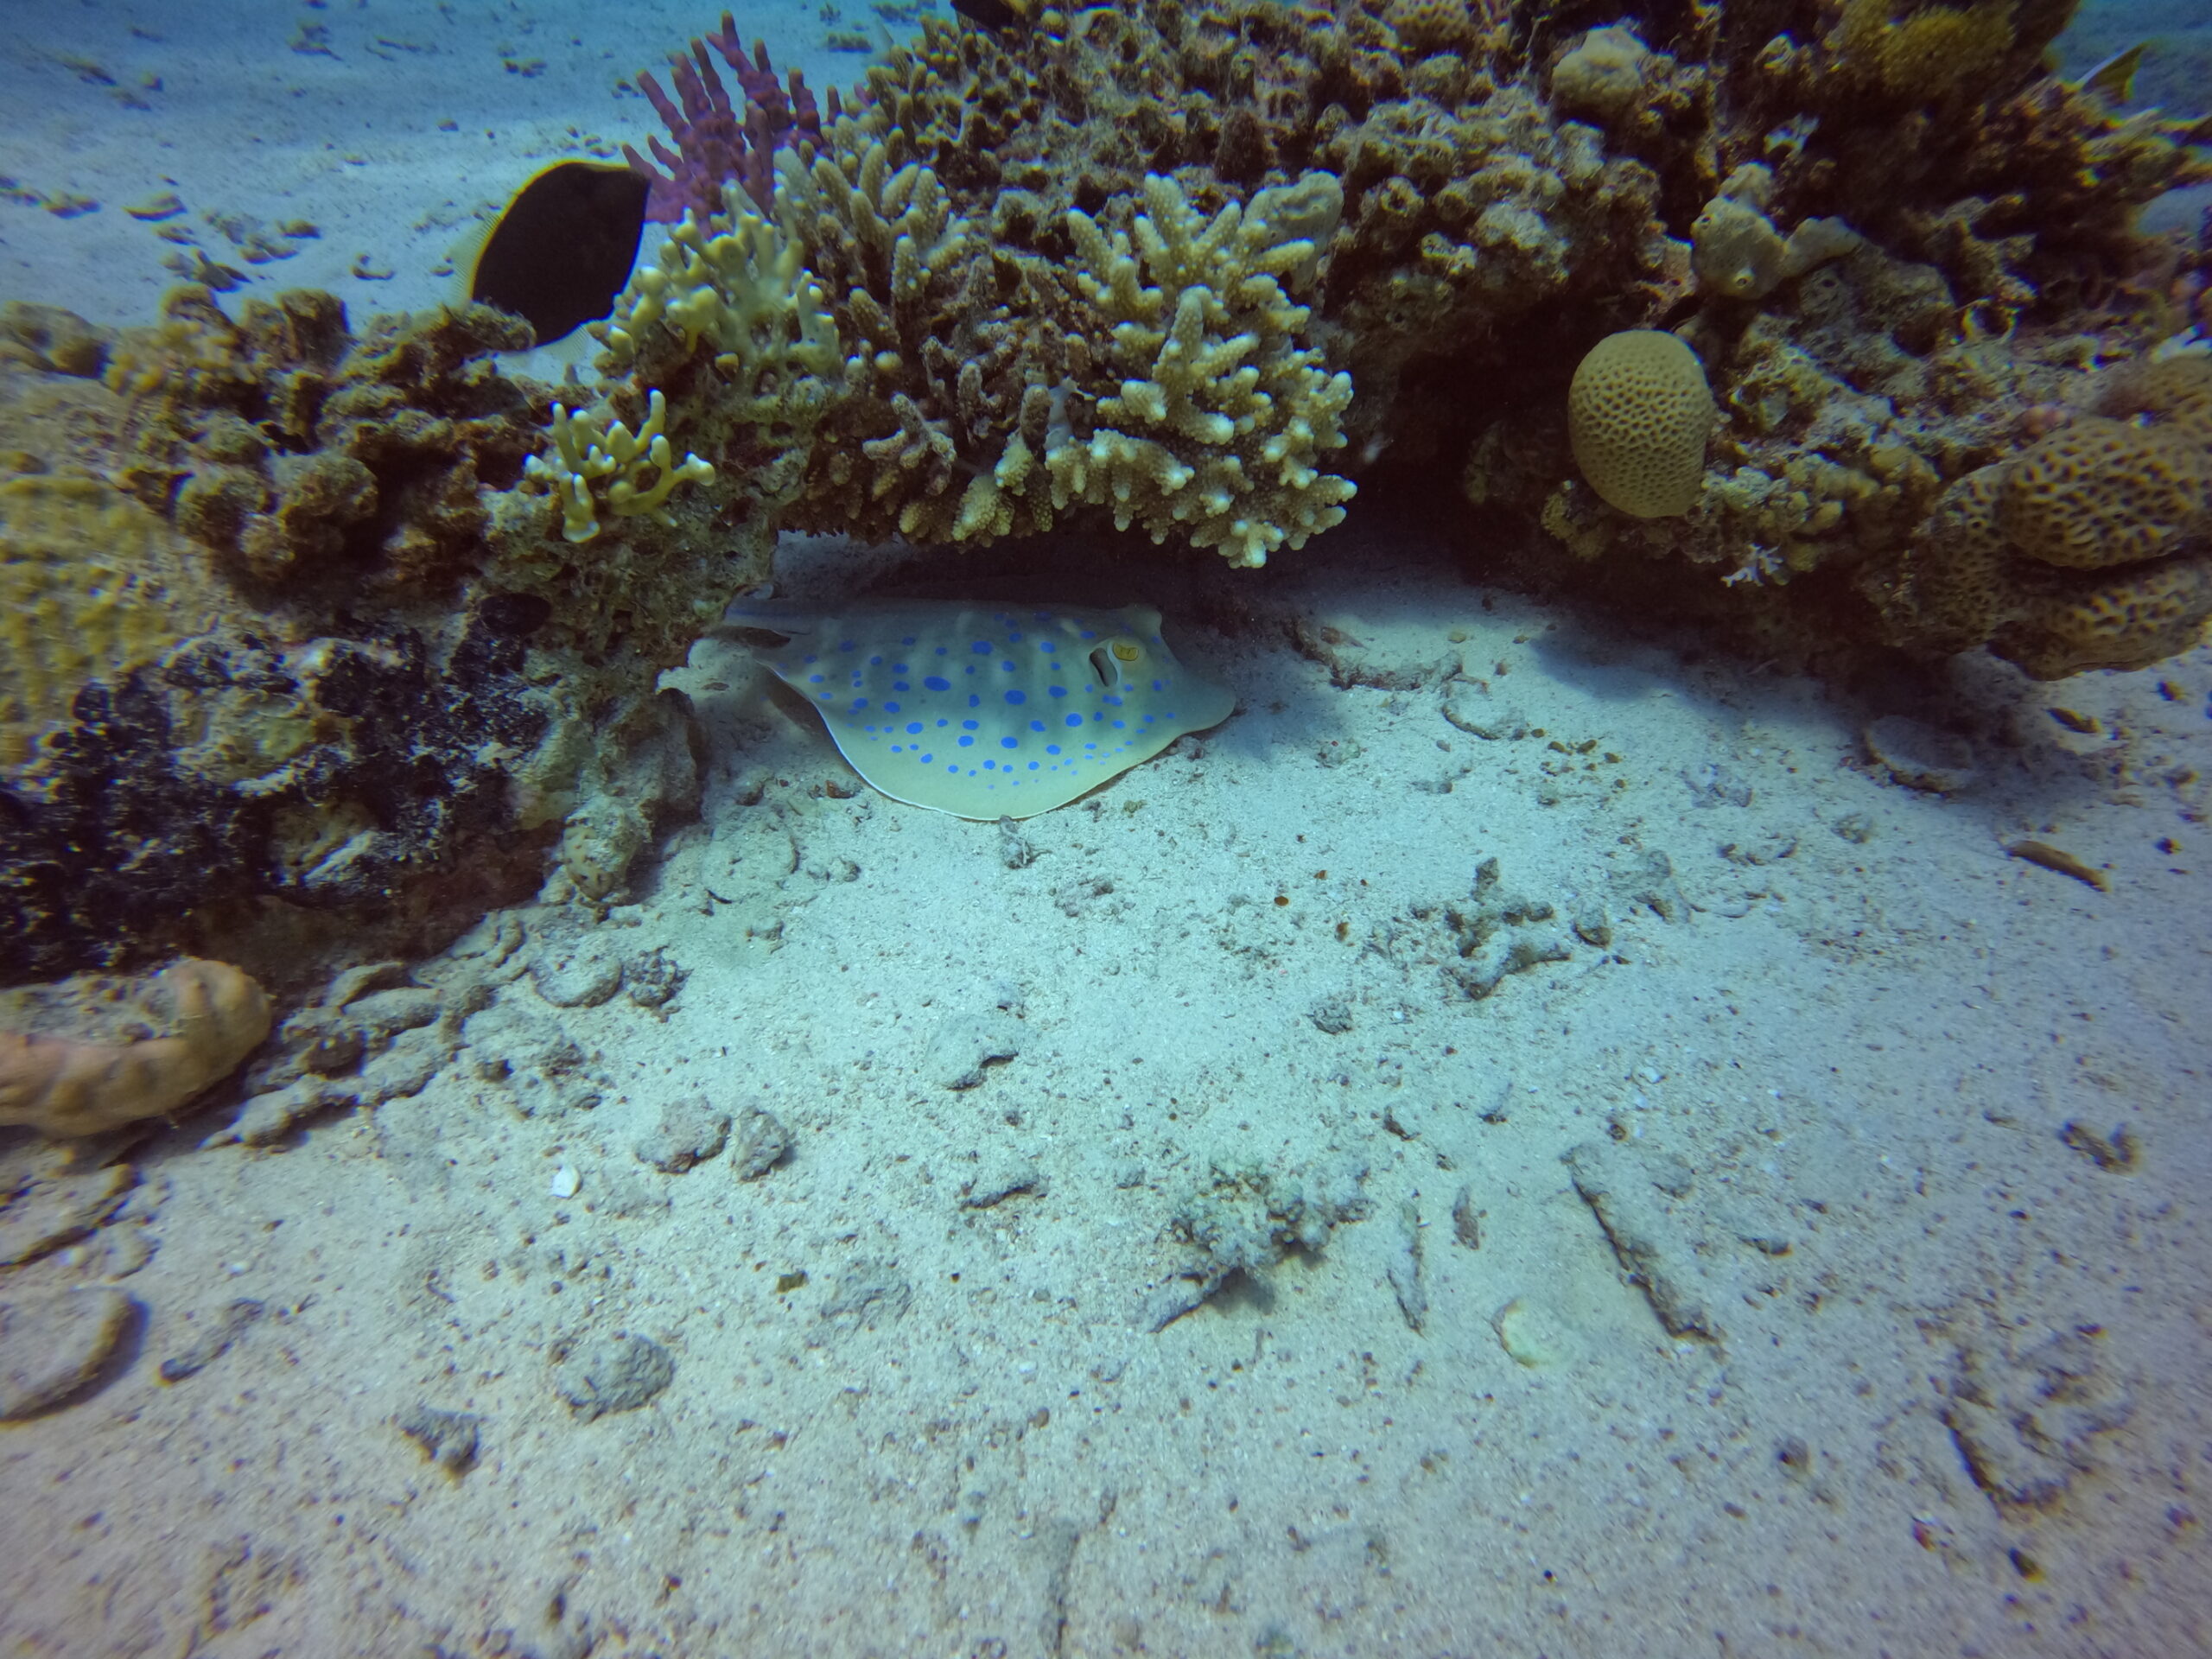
x,y
1222,409
103,1054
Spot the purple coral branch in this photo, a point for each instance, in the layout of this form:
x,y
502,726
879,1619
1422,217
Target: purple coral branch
x,y
714,143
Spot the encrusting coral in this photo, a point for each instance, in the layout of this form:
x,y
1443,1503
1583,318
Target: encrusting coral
x,y
103,1054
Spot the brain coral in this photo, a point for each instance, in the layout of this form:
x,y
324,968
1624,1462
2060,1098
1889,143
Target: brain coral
x,y
1638,415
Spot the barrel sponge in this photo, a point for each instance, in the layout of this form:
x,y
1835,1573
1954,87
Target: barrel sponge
x,y
1638,414
105,1053
2129,619
90,583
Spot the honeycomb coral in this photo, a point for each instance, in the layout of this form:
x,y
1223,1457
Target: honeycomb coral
x,y
90,583
136,1049
2102,492
1638,415
2127,621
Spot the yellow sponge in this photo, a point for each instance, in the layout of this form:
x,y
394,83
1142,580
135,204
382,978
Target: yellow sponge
x,y
1638,414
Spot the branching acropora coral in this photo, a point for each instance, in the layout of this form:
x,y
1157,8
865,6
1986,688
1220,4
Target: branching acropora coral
x,y
590,444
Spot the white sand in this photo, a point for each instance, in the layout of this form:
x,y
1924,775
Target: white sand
x,y
1828,1098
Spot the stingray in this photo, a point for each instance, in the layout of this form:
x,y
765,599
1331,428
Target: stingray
x,y
984,711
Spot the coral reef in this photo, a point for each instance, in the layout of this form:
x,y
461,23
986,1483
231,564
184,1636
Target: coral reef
x,y
102,1053
1885,226
276,688
323,636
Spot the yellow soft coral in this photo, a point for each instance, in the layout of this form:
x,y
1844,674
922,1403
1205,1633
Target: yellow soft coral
x,y
142,1049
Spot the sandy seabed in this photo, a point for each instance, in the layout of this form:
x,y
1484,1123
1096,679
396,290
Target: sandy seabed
x,y
1800,1249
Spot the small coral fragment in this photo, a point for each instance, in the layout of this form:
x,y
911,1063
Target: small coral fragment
x,y
128,1052
1638,415
591,444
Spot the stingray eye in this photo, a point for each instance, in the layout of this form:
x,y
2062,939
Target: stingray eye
x,y
1126,650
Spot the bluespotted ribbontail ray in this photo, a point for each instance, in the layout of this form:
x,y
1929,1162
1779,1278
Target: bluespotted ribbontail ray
x,y
985,711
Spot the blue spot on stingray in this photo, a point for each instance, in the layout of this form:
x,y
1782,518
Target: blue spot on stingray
x,y
935,684
1114,700
981,647
900,685
890,708
850,644
1159,685
859,703
967,742
928,759
913,729
1032,765
974,702
1036,725
1009,742
875,662
1008,666
1052,749
967,725
1075,720
1057,691
816,679
1017,697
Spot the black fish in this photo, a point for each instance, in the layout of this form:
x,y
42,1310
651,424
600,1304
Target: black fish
x,y
562,249
998,15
